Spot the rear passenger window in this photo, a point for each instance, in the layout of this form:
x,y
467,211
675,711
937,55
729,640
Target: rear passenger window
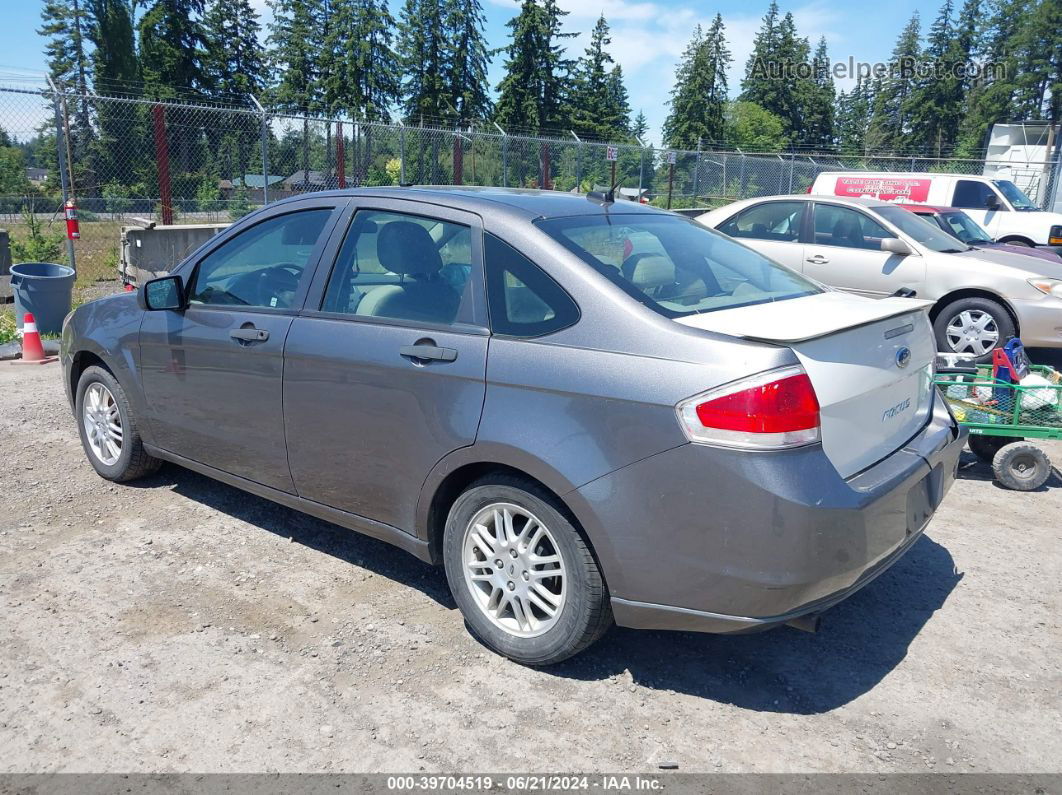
x,y
778,221
523,300
402,267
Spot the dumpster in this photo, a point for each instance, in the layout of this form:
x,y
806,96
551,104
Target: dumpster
x,y
44,289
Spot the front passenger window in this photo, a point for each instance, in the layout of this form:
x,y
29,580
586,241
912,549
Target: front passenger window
x,y
842,226
261,266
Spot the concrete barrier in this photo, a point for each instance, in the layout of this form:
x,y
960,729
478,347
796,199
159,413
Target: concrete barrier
x,y
152,250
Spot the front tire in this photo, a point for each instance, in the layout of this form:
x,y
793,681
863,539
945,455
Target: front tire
x,y
973,326
521,574
108,428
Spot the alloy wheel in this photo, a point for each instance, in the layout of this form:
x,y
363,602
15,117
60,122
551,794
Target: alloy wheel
x,y
103,423
514,569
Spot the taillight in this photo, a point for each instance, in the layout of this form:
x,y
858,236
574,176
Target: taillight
x,y
769,411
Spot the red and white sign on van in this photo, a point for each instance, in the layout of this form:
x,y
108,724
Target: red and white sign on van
x,y
885,188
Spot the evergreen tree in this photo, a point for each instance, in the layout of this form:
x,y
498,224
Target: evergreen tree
x,y
775,76
818,102
758,85
593,106
535,90
64,24
935,104
171,48
234,61
853,116
423,51
519,92
640,126
366,83
699,96
619,107
990,96
890,123
115,69
292,55
469,58
294,64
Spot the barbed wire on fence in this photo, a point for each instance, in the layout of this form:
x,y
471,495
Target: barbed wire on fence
x,y
170,158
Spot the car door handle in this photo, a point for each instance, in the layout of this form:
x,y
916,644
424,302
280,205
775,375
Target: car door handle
x,y
817,259
249,334
425,353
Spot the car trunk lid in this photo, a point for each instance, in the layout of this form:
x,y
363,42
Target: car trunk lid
x,y
870,361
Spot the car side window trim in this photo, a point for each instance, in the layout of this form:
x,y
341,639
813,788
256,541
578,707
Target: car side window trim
x,y
189,269
314,304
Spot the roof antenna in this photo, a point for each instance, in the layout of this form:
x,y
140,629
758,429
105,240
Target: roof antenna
x,y
605,197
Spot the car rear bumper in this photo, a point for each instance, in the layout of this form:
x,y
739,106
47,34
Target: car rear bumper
x,y
699,538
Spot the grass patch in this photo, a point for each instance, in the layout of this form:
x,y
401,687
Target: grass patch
x,y
7,324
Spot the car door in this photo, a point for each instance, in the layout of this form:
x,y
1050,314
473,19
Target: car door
x,y
974,196
772,228
213,372
386,373
845,252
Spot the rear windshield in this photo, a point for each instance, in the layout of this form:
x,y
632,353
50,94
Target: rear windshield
x,y
674,265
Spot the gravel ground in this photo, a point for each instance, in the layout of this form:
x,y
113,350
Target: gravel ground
x,y
181,625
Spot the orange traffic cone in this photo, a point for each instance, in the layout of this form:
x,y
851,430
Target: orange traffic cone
x,y
32,349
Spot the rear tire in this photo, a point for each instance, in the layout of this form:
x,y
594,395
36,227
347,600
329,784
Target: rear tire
x,y
108,428
532,590
973,326
1021,466
986,447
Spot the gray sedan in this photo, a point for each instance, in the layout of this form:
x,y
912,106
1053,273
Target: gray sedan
x,y
588,412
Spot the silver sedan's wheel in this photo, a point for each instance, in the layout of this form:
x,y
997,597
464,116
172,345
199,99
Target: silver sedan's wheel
x,y
514,569
103,424
972,331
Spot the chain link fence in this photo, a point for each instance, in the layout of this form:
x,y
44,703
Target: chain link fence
x,y
127,160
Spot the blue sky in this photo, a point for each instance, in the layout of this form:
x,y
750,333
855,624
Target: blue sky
x,y
648,36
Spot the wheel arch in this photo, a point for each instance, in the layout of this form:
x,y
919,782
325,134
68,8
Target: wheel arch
x,y
1020,240
974,292
79,363
456,472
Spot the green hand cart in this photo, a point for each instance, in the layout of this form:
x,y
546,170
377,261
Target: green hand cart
x,y
1001,416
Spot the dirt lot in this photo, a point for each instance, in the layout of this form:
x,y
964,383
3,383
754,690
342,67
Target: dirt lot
x,y
181,625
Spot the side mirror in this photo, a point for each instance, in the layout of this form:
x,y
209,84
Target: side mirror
x,y
992,202
166,292
895,246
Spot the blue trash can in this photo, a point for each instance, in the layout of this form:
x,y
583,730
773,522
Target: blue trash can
x,y
43,289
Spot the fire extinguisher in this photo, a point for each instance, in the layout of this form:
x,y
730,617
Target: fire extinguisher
x,y
73,229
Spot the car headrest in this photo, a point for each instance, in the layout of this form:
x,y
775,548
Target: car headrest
x,y
848,229
406,248
648,271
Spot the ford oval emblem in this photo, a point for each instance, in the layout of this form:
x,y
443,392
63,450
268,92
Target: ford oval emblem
x,y
903,357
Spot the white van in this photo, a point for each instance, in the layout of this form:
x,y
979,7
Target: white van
x,y
996,204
